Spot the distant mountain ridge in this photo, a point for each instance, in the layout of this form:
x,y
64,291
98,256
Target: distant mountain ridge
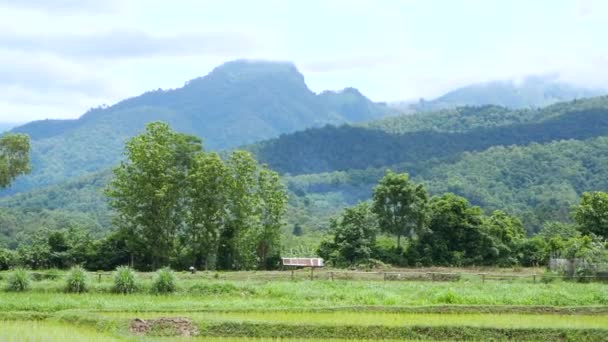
x,y
531,92
237,103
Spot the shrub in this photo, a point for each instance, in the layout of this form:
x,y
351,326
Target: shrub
x,y
548,277
164,281
7,259
18,281
124,280
76,281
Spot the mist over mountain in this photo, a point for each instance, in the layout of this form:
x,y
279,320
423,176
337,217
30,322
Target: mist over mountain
x,y
531,92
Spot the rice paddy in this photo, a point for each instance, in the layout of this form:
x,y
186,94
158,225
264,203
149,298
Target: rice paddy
x,y
256,310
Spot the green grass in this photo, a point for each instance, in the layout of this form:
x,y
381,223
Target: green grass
x,y
203,295
45,331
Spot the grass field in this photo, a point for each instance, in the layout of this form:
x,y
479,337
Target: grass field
x,y
240,305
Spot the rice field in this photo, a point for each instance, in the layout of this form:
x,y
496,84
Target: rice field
x,y
303,310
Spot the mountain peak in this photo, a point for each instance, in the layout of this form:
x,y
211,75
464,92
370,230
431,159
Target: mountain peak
x,y
251,70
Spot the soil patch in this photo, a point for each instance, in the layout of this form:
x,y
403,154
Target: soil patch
x,y
164,326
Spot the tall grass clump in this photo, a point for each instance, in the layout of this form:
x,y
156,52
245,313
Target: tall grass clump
x,y
76,281
124,280
18,281
164,281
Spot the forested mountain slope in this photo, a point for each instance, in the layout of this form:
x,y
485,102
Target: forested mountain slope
x,y
379,144
237,103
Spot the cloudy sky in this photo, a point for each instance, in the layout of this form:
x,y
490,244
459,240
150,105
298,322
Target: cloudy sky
x,y
59,58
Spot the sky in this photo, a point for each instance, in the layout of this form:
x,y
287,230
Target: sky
x,y
59,58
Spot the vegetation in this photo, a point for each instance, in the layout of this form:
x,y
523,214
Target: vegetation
x,y
76,281
177,204
164,282
124,280
18,281
14,157
448,231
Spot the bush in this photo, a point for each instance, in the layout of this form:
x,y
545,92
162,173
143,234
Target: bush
x,y
18,281
124,280
164,282
76,281
7,259
548,277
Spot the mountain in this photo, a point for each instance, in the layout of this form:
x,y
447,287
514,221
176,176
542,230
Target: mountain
x,y
531,92
237,103
422,137
532,163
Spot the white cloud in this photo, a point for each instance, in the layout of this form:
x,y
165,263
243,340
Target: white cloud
x,y
64,6
127,44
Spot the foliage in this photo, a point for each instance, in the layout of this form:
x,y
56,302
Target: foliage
x,y
76,280
14,157
591,214
124,280
18,280
176,203
7,259
455,236
400,205
354,237
164,281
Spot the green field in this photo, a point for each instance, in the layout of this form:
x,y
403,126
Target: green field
x,y
237,306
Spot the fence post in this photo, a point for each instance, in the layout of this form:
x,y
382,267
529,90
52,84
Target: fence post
x,y
99,277
312,270
534,278
433,276
384,276
331,274
483,278
292,274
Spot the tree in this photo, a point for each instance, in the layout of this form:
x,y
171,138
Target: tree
x,y
553,229
208,200
455,236
272,201
507,233
591,214
400,205
354,236
297,230
14,157
147,191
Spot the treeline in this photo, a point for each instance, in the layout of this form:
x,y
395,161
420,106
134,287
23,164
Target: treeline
x,y
537,182
446,230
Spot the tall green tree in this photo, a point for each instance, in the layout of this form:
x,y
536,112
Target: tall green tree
x,y
147,191
208,200
400,205
14,157
272,202
591,214
241,212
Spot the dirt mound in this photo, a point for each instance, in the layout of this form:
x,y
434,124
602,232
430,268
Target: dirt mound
x,y
164,326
